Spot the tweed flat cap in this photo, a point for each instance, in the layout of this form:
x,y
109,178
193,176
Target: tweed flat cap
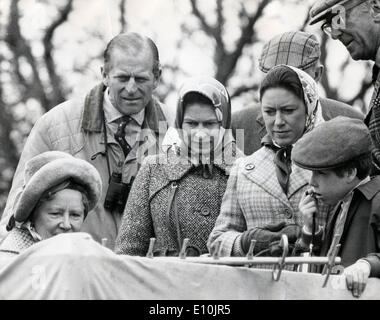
x,y
49,169
332,143
323,8
298,49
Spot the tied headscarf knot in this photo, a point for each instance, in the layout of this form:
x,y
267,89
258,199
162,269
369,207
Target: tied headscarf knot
x,y
282,161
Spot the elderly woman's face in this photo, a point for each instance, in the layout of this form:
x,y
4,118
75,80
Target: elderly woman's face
x,y
200,123
284,115
64,212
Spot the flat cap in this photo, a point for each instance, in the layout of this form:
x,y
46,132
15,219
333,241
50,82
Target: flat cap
x,y
332,143
296,48
323,8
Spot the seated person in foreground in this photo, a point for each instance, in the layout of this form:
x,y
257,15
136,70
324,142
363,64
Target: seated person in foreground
x,y
58,193
338,152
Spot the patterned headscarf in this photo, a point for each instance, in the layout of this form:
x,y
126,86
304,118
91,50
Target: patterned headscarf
x,y
282,159
311,98
218,95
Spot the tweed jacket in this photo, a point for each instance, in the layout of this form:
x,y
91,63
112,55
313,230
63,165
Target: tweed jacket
x,y
76,127
251,121
170,201
254,198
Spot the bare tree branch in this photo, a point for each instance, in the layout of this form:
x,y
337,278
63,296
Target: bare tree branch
x,y
123,22
229,61
20,48
306,20
366,85
205,26
58,94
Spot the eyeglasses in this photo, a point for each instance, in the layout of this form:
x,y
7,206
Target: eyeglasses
x,y
334,24
336,21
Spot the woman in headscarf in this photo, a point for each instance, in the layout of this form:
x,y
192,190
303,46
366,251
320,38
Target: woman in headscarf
x,y
264,189
58,193
177,195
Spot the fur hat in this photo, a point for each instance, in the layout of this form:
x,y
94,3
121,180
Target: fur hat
x,y
49,169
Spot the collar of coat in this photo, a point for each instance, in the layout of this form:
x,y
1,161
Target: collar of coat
x,y
371,188
260,169
176,167
93,108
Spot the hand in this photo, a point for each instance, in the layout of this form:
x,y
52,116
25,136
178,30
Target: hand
x,y
292,231
264,236
308,207
357,277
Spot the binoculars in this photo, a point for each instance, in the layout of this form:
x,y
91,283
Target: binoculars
x,y
117,193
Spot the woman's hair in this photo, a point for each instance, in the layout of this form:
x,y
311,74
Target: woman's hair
x,y
68,184
195,97
282,77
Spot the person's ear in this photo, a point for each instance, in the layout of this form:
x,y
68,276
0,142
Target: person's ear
x,y
318,72
157,77
351,175
104,76
375,10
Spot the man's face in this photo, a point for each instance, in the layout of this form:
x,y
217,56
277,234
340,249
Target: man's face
x,y
329,187
357,32
130,80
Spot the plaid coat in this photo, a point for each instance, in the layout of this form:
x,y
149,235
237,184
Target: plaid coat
x,y
154,210
254,198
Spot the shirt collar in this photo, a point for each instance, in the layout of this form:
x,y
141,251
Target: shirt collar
x,y
112,114
348,196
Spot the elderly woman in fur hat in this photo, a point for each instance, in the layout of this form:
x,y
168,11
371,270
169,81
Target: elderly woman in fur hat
x,y
177,195
58,193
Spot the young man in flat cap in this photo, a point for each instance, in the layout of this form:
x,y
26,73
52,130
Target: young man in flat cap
x,y
298,49
338,152
356,23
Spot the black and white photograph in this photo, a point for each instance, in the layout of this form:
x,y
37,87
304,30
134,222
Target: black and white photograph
x,y
189,154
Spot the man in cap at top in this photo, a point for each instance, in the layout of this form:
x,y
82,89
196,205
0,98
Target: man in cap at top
x,y
298,49
338,152
356,23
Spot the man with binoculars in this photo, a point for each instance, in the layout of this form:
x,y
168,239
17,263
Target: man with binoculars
x,y
114,127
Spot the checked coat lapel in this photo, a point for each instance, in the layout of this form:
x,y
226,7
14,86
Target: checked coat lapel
x,y
264,175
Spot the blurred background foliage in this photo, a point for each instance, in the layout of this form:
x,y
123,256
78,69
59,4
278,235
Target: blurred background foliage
x,y
52,50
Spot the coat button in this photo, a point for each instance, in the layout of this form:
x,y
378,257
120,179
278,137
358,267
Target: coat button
x,y
249,166
288,214
205,212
